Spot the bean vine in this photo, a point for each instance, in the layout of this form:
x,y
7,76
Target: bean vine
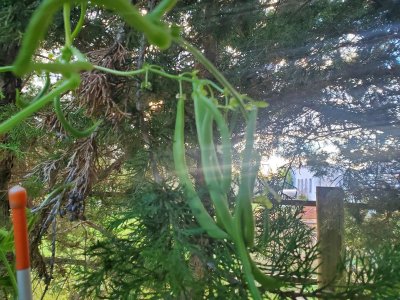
x,y
235,224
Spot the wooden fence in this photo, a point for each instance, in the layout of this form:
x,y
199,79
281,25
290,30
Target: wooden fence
x,y
330,230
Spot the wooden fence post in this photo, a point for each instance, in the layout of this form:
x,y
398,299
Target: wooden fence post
x,y
330,233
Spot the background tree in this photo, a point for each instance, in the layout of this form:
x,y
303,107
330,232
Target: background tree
x,y
13,19
329,71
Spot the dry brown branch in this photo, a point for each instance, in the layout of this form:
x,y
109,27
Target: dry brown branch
x,y
97,89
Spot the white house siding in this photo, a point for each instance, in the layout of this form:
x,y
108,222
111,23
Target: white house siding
x,y
306,183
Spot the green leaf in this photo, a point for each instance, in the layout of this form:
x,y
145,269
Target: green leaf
x,y
263,200
260,104
146,86
233,102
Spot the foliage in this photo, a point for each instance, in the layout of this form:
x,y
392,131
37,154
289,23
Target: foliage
x,y
238,226
156,252
8,280
373,273
287,247
320,83
19,139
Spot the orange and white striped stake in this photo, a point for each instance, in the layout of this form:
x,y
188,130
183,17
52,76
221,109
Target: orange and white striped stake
x,y
18,200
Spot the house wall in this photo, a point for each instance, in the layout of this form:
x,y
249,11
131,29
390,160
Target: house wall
x,y
306,183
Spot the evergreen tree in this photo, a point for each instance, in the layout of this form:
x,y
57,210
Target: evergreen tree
x,y
116,185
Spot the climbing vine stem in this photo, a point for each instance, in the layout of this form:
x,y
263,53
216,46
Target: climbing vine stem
x,y
81,20
212,69
234,224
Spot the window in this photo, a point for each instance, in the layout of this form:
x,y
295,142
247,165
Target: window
x,y
310,185
305,186
298,184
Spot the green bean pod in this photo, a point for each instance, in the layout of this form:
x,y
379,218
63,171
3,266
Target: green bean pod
x,y
267,282
244,211
226,145
226,168
247,264
197,207
204,125
212,175
68,127
254,171
204,128
66,85
210,168
209,147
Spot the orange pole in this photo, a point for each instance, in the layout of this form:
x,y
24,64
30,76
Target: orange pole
x,y
17,197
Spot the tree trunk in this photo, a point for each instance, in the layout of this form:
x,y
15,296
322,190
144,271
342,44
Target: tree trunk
x,y
8,84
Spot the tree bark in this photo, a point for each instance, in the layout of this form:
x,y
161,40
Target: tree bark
x,y
8,85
